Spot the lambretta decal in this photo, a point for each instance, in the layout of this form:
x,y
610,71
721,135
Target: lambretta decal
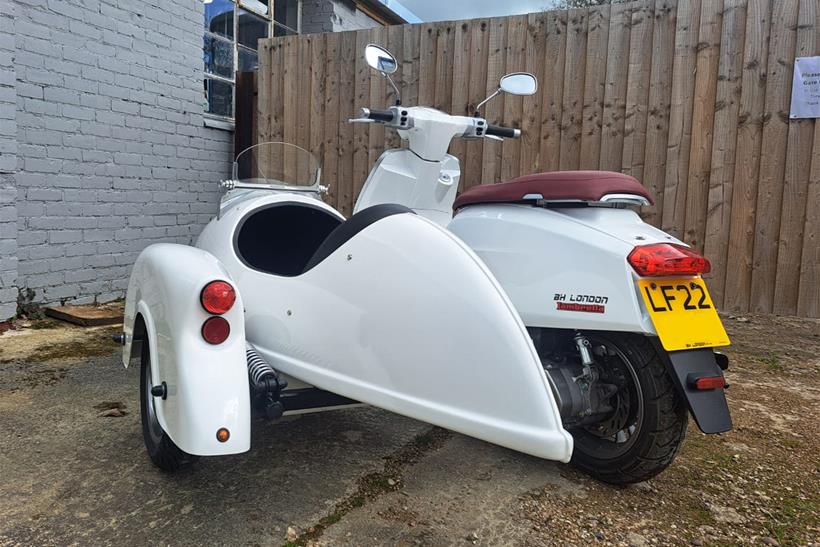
x,y
589,308
589,303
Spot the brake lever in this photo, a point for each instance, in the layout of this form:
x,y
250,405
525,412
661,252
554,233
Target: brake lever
x,y
494,137
360,120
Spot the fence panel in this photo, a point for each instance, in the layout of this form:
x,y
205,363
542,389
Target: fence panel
x,y
690,96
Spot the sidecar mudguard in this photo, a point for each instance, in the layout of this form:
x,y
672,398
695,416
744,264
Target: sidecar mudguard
x,y
207,385
404,316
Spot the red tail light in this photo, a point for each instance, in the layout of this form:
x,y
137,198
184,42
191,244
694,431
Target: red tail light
x,y
216,330
664,259
217,297
709,382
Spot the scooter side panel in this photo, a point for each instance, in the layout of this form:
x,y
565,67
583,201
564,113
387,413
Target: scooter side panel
x,y
427,187
404,316
207,384
562,268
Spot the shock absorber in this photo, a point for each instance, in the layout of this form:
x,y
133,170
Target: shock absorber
x,y
266,385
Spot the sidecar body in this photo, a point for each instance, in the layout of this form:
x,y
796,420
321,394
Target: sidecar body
x,y
385,308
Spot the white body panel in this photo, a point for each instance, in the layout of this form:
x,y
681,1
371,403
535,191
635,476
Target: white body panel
x,y
547,259
432,131
543,257
207,385
427,187
402,316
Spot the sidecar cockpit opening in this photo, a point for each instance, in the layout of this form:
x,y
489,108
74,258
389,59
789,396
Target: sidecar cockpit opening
x,y
282,238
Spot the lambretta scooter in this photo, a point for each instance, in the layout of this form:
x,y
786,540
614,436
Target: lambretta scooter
x,y
618,311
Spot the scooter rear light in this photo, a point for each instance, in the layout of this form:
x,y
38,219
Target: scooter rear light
x,y
217,297
216,330
665,259
709,382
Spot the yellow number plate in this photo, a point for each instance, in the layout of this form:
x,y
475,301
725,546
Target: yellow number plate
x,y
683,313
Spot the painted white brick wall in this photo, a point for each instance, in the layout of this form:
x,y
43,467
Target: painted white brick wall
x,y
8,164
112,154
323,16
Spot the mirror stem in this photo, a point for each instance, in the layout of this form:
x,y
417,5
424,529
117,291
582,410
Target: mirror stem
x,y
396,89
485,101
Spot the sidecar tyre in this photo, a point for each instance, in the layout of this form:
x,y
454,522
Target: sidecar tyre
x,y
161,449
649,404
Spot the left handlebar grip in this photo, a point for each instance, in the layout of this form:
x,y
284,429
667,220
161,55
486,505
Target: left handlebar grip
x,y
499,131
377,115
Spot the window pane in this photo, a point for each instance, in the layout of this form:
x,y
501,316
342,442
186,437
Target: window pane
x,y
286,12
219,17
282,31
220,98
218,56
248,60
251,29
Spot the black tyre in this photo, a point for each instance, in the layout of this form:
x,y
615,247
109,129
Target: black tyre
x,y
643,434
161,449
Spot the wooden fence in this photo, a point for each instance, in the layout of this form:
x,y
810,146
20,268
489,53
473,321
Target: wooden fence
x,y
691,97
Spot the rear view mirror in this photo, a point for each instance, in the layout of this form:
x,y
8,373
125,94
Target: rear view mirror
x,y
380,59
519,83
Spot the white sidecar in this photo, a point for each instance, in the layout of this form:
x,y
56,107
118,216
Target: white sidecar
x,y
284,306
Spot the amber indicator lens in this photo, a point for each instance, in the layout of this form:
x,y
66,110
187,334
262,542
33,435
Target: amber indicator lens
x,y
222,434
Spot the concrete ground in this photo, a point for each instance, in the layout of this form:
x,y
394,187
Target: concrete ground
x,y
363,476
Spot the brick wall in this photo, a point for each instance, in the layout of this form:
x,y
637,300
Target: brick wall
x,y
341,15
112,153
8,164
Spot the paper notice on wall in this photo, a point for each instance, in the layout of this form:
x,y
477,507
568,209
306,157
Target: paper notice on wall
x,y
806,88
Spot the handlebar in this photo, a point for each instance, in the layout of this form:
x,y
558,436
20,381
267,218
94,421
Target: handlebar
x,y
498,131
377,115
398,119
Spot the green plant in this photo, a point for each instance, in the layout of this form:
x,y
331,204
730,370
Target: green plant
x,y
27,308
772,362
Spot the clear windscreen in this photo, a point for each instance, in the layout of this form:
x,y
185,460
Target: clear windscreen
x,y
277,163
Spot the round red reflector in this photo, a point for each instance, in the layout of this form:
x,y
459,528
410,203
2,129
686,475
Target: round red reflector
x,y
217,297
215,330
222,434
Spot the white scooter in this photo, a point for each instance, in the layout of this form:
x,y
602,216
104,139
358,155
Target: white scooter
x,y
617,309
284,306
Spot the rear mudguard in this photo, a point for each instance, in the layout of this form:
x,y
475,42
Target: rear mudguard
x,y
403,316
708,408
207,384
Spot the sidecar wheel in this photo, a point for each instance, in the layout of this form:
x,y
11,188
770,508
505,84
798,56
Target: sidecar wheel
x,y
161,449
642,436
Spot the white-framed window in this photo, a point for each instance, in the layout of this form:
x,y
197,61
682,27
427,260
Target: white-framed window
x,y
232,30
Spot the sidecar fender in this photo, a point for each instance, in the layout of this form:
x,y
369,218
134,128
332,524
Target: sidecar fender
x,y
207,385
404,316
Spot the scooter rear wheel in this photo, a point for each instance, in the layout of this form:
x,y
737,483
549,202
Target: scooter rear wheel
x,y
161,449
647,427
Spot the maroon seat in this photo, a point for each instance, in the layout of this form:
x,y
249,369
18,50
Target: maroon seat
x,y
558,185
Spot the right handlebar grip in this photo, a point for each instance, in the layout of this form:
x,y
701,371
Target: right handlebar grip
x,y
378,115
498,131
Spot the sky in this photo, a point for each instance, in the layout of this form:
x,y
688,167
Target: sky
x,y
443,10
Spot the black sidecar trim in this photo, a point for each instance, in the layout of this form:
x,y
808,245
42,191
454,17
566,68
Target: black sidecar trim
x,y
352,226
708,407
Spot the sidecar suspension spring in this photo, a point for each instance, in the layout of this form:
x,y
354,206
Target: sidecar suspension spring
x,y
263,376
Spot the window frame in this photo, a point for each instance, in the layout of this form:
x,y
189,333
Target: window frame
x,y
227,122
